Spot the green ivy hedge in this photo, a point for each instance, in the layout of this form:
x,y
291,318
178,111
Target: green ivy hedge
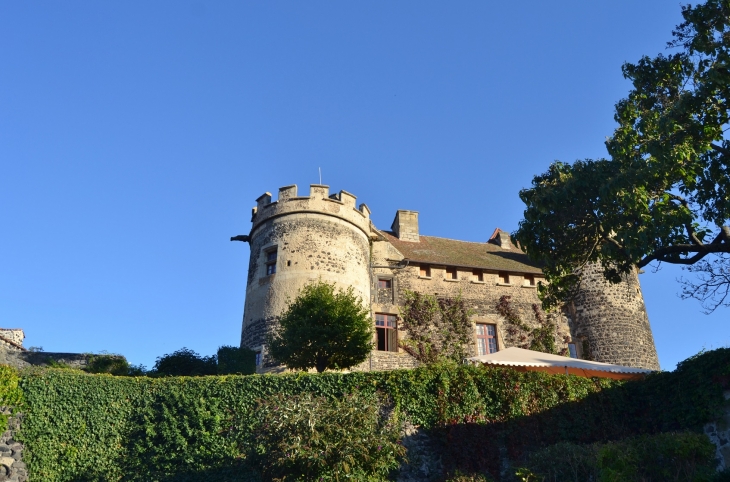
x,y
83,427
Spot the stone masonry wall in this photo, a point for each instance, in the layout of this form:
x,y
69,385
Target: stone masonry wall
x,y
719,434
318,237
612,319
22,359
480,296
12,467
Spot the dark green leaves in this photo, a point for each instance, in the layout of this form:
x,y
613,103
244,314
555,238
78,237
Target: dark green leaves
x,y
323,329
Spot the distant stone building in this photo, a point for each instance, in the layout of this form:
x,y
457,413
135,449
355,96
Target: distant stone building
x,y
297,239
12,339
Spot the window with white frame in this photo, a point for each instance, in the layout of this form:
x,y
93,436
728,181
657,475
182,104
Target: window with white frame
x,y
486,338
386,328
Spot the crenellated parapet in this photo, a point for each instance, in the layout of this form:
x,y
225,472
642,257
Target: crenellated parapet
x,y
341,205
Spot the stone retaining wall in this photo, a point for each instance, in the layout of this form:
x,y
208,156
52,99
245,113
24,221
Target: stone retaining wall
x,y
22,359
12,467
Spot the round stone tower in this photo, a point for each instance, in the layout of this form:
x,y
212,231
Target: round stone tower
x,y
296,240
611,320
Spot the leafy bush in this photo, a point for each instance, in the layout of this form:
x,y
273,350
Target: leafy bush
x,y
185,362
469,478
79,426
563,462
234,360
438,329
665,456
306,437
11,396
113,364
323,329
684,456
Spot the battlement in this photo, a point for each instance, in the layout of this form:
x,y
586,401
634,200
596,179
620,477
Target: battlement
x,y
341,205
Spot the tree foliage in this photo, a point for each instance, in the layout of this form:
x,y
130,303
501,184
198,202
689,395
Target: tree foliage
x,y
185,362
437,329
664,195
229,360
233,360
324,329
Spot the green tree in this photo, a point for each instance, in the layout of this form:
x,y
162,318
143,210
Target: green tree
x,y
323,329
437,329
184,362
235,360
664,196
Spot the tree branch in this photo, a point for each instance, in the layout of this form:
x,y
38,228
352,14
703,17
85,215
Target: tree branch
x,y
721,244
720,149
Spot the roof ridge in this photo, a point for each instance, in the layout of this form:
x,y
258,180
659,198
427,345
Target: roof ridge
x,y
452,239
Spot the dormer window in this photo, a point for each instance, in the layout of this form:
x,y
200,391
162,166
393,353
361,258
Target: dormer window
x,y
451,273
425,271
270,261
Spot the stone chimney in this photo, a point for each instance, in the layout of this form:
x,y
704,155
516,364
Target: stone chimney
x,y
504,241
501,239
405,225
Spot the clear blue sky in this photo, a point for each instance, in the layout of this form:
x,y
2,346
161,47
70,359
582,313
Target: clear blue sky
x,y
135,137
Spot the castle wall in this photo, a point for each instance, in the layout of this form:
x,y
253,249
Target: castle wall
x,y
481,297
612,319
327,237
315,237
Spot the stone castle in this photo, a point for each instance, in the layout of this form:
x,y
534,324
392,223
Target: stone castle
x,y
297,239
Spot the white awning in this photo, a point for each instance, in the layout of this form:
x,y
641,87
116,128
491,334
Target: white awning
x,y
528,360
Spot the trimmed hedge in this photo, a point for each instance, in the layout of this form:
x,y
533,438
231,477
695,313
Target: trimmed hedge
x,y
100,427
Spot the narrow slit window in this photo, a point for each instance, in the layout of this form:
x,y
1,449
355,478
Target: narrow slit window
x,y
572,350
386,327
486,338
451,273
425,271
270,262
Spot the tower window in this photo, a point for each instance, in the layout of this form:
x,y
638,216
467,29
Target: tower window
x,y
477,275
271,262
572,350
451,273
486,338
385,290
386,327
425,271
